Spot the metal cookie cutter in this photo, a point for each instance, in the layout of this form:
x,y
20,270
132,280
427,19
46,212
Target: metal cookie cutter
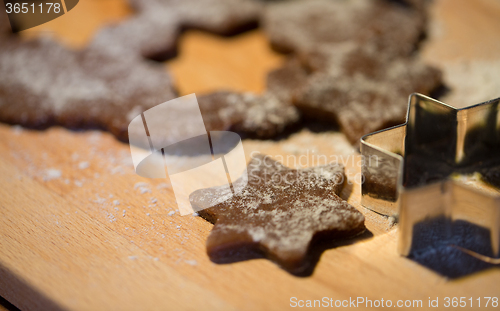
x,y
413,171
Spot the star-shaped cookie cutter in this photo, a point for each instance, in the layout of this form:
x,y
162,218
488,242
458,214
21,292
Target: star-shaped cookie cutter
x,y
411,172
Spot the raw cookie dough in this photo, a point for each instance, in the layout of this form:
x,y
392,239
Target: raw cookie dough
x,y
278,214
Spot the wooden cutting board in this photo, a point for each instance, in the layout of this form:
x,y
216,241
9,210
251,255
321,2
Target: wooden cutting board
x,y
80,230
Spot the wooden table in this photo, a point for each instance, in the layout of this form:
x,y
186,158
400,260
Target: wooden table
x,y
76,232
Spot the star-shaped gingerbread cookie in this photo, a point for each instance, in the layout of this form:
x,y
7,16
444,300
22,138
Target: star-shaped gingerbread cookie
x,y
42,84
355,61
262,116
154,30
278,214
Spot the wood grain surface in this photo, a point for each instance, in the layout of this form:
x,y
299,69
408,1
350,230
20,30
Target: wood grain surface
x,y
79,230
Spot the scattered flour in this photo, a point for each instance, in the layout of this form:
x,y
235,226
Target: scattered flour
x,y
51,173
191,262
163,186
111,217
143,187
83,165
304,202
472,82
100,200
141,184
17,129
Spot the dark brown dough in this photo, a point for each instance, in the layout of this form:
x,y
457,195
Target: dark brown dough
x,y
394,27
154,30
278,214
42,84
263,116
354,60
144,35
352,65
5,29
361,89
286,82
